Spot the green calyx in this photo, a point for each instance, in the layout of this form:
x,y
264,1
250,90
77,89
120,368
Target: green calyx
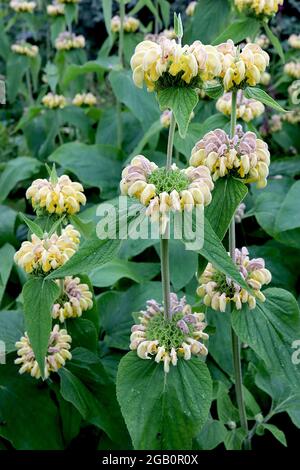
x,y
170,81
166,332
222,285
168,180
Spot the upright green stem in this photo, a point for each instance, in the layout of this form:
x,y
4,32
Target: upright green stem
x,y
170,141
165,275
236,346
121,62
121,33
164,242
233,113
156,25
29,86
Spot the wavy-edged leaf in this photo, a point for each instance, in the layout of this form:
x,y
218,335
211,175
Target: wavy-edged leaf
x,y
92,253
156,405
262,96
270,330
228,193
238,30
182,101
39,295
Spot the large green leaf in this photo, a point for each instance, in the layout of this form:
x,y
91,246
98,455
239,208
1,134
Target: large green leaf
x,y
267,203
239,30
277,433
95,165
29,418
113,271
285,399
183,264
93,66
270,330
8,218
117,325
87,386
281,260
11,328
211,435
107,13
226,410
261,95
15,171
16,67
209,20
7,260
93,252
141,103
219,347
288,215
274,41
83,333
182,101
39,295
156,405
276,211
228,193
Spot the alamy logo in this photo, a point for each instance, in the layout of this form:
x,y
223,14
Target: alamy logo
x,y
2,91
294,91
122,221
2,352
296,354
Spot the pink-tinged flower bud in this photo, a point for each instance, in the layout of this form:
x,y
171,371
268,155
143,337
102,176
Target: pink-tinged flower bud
x,y
183,326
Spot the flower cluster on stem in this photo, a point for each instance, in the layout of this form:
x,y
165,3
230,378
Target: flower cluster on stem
x,y
243,155
247,109
167,340
57,354
162,190
218,290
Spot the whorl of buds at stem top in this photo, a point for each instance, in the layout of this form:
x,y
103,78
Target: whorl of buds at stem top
x,y
53,101
246,109
130,24
56,9
167,63
57,354
163,191
292,69
40,256
67,41
24,48
75,299
190,9
84,99
166,341
61,196
259,8
243,156
294,41
242,68
218,290
20,6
